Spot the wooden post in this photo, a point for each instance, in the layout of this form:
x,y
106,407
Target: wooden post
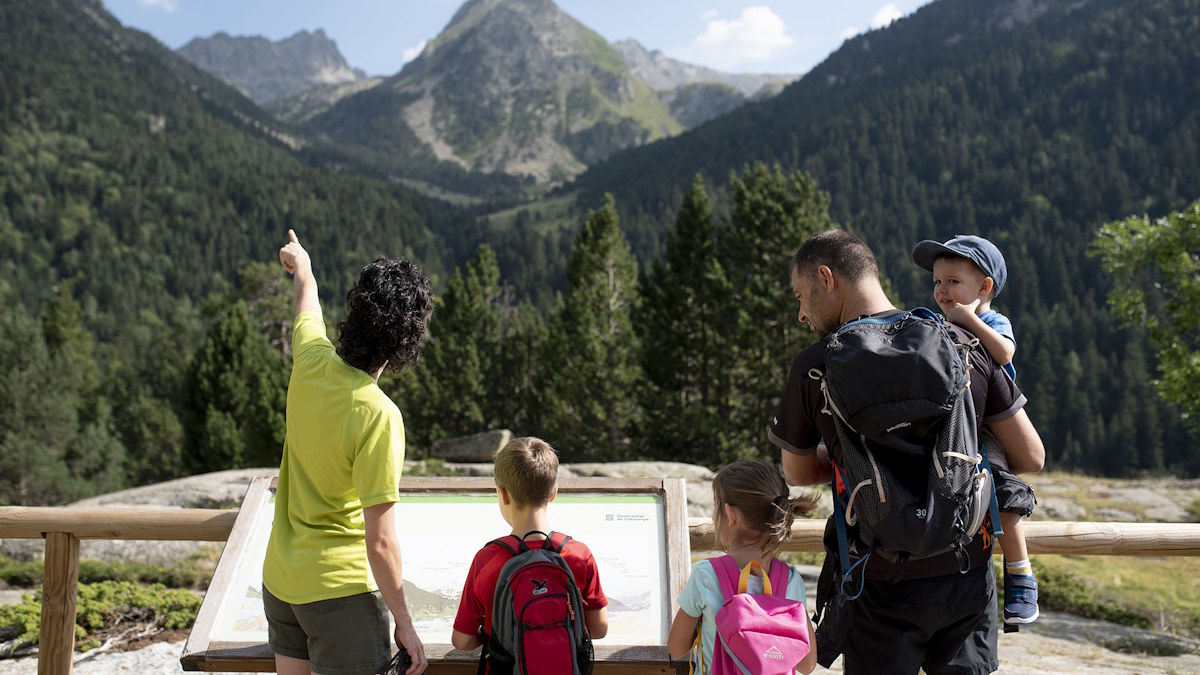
x,y
56,644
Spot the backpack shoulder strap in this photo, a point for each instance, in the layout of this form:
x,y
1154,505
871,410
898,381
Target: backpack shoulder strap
x,y
727,573
502,542
551,546
925,313
780,575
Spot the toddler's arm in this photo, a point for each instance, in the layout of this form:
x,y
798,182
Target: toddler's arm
x,y
1000,348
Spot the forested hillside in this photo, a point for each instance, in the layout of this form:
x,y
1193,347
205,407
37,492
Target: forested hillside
x,y
1029,123
133,188
138,342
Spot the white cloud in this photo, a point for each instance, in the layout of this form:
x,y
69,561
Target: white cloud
x,y
751,38
168,6
709,15
413,51
848,32
886,14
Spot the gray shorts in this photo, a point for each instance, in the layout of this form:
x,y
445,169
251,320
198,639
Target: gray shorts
x,y
340,636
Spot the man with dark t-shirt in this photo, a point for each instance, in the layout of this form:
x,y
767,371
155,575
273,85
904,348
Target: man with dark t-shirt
x,y
924,613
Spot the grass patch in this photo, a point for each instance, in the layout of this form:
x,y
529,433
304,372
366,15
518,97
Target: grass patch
x,y
108,611
1150,593
1193,510
1089,493
549,214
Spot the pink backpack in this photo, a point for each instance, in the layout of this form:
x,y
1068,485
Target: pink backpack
x,y
758,634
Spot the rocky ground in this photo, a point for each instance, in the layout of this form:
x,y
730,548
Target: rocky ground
x,y
1056,644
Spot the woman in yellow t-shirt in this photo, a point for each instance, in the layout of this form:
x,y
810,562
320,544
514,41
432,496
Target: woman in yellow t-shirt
x,y
332,570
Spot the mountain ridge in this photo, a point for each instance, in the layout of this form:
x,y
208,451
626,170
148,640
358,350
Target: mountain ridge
x,y
663,72
516,87
270,71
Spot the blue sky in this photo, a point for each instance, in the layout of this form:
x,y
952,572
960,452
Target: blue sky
x,y
379,36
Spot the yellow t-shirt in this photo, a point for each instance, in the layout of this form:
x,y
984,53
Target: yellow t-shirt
x,y
344,451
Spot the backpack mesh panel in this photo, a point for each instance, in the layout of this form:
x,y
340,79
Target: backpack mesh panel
x,y
921,513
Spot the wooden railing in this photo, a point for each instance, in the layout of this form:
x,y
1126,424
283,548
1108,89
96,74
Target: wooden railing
x,y
63,528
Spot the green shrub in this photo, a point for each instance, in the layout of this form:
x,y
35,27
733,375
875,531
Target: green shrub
x,y
194,572
103,608
20,574
178,576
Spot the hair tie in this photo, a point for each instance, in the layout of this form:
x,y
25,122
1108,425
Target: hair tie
x,y
780,501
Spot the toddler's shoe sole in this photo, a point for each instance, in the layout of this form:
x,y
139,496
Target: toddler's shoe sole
x,y
1022,620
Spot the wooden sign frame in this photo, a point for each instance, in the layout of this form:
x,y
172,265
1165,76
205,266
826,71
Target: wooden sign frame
x,y
208,650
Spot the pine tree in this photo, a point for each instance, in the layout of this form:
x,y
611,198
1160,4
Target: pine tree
x,y
95,457
38,415
448,394
684,341
236,397
520,371
772,215
595,351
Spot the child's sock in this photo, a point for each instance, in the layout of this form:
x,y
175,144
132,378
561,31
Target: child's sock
x,y
1018,567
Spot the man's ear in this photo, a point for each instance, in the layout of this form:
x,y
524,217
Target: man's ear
x,y
825,278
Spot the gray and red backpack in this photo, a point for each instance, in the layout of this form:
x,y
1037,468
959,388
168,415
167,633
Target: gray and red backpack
x,y
538,623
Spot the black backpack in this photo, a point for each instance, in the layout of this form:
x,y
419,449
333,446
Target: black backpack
x,y
914,481
538,623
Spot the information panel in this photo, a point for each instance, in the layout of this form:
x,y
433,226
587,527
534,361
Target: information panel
x,y
636,529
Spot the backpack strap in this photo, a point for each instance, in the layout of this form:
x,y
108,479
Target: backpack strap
x,y
839,519
781,574
727,573
926,313
525,547
993,505
744,578
550,545
503,543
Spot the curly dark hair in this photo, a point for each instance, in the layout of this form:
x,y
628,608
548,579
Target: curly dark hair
x,y
387,317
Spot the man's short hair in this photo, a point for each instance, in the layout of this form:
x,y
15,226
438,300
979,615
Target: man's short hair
x,y
387,318
528,468
843,253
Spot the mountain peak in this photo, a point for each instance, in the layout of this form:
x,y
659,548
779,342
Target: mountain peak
x,y
267,71
521,87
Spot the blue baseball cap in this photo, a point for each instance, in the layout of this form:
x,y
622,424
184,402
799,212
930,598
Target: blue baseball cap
x,y
976,249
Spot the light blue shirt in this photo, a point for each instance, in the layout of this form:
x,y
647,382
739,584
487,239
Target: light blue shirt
x,y
702,597
1000,323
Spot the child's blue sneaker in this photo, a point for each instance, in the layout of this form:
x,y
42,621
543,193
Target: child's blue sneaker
x,y
1020,598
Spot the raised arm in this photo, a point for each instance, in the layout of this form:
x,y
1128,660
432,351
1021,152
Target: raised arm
x,y
297,263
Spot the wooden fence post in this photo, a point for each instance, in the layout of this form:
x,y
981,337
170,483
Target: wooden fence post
x,y
56,644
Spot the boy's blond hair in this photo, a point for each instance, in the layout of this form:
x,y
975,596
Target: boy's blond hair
x,y
528,468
